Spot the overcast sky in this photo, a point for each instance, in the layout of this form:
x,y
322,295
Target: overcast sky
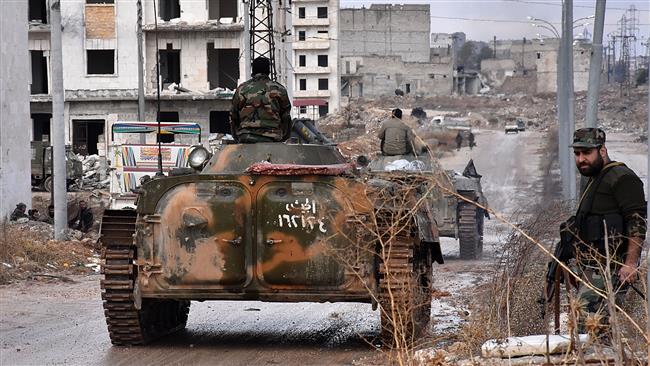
x,y
506,19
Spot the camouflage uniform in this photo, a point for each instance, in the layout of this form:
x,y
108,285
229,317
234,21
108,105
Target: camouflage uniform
x,y
19,212
619,201
396,137
261,111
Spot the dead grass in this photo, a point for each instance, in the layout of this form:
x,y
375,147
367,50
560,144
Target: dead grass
x,y
24,252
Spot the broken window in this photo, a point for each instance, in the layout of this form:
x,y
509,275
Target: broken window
x,y
85,136
322,12
167,117
323,110
301,13
347,67
302,60
100,1
39,73
303,109
38,11
100,62
323,84
323,33
408,88
303,84
222,9
539,55
322,60
41,126
302,35
169,9
170,66
223,67
220,122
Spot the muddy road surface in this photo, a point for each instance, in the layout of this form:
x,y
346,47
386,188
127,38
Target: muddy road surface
x,y
63,323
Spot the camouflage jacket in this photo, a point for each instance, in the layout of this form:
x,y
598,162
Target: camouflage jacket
x,y
261,111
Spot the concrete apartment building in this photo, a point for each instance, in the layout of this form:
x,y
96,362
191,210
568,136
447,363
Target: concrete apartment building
x,y
200,45
446,45
530,66
315,54
387,47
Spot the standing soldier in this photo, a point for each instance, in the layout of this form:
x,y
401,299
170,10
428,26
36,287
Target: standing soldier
x,y
396,137
459,141
261,110
470,140
611,212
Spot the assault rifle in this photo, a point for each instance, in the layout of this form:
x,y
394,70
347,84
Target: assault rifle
x,y
564,251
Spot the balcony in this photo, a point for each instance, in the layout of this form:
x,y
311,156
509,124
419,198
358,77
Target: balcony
x,y
306,22
317,44
311,93
312,70
203,26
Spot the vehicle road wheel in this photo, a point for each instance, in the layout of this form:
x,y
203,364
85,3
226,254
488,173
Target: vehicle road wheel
x,y
47,184
468,231
405,293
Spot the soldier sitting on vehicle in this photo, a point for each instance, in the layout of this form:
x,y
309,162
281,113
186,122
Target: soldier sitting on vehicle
x,y
261,110
396,138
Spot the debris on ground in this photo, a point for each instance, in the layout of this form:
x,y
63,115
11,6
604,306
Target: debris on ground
x,y
95,174
27,250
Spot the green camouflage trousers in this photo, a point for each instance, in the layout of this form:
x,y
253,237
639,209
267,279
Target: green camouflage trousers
x,y
593,306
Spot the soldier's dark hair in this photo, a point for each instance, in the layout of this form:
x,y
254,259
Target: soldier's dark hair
x,y
397,113
261,65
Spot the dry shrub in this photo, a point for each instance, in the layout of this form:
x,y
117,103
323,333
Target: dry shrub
x,y
24,252
512,303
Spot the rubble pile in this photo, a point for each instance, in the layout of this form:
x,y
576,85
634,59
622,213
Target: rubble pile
x,y
95,174
29,251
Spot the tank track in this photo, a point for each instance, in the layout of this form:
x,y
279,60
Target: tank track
x,y
128,325
404,270
471,241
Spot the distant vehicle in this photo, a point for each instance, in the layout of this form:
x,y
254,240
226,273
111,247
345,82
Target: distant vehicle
x,y
131,162
451,123
512,126
42,165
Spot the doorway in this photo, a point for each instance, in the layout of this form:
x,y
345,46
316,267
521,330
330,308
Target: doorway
x,y
85,136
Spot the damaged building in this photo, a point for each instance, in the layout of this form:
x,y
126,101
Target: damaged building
x,y
387,47
199,45
315,54
530,66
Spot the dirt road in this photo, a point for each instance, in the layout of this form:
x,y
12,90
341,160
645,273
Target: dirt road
x,y
56,323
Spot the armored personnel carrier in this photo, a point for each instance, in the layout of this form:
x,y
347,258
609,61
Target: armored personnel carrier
x,y
453,205
270,222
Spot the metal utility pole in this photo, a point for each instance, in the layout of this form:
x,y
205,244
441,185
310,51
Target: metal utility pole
x,y
262,39
141,110
495,46
595,65
523,53
246,46
58,124
562,114
570,100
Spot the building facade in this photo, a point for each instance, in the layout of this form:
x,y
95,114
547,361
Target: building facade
x,y
315,54
386,48
200,49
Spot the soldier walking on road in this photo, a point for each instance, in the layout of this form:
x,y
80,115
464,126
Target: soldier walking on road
x,y
613,199
261,110
459,141
470,140
396,137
